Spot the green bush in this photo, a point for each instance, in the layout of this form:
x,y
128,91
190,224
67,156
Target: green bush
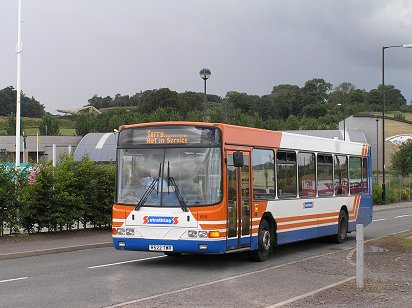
x,y
376,193
57,197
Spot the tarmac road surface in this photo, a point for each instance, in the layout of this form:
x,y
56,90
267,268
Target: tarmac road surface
x,y
102,277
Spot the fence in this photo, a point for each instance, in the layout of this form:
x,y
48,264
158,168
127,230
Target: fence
x,y
398,188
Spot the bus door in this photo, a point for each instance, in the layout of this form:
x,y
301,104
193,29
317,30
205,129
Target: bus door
x,y
238,202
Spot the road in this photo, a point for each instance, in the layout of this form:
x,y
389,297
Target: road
x,y
105,277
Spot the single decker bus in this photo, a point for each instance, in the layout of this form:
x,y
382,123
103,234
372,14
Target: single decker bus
x,y
192,187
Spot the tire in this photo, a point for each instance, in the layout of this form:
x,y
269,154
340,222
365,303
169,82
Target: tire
x,y
340,237
265,243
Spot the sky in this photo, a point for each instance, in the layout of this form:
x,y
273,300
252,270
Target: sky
x,y
74,49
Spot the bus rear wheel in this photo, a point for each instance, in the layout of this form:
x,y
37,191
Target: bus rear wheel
x,y
342,227
264,243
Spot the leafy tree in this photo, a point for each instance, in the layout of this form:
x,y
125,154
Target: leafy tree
x,y
164,98
189,101
85,123
402,159
286,100
393,97
316,91
241,101
342,94
49,126
29,106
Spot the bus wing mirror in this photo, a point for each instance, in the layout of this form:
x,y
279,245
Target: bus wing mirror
x,y
238,159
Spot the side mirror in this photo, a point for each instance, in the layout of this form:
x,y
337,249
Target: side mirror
x,y
238,159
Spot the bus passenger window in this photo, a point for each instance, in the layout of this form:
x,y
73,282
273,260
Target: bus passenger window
x,y
325,175
286,174
263,169
341,175
306,169
355,175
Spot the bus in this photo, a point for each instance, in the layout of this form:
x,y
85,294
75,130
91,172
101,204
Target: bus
x,y
192,187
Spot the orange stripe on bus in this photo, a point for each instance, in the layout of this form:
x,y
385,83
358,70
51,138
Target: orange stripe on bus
x,y
117,224
212,226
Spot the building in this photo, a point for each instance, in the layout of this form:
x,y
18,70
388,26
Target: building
x,y
396,131
41,147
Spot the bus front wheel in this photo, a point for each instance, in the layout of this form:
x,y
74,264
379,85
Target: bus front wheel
x,y
264,243
342,227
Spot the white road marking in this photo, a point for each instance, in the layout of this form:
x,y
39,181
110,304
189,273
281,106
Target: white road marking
x,y
382,219
14,279
294,299
124,262
401,216
226,279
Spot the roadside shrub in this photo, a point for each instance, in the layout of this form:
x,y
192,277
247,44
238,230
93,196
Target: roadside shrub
x,y
376,193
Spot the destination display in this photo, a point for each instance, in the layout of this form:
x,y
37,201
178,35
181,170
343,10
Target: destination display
x,y
170,135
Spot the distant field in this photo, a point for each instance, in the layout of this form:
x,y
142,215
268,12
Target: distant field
x,y
408,116
31,126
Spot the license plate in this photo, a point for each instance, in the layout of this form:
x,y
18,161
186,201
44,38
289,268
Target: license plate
x,y
160,247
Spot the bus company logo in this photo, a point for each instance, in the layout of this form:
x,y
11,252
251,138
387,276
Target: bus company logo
x,y
309,205
159,220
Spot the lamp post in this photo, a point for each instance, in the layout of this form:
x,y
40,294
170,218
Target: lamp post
x,y
344,125
383,114
377,150
205,74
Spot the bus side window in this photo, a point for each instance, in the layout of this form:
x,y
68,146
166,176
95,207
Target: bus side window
x,y
355,175
306,169
263,169
286,174
341,175
325,175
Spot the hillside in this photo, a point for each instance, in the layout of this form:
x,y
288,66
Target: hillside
x,y
30,126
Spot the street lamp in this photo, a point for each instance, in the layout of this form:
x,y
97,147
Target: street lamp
x,y
205,74
377,150
344,126
383,114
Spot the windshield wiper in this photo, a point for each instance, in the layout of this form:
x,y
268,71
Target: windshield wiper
x,y
171,180
147,193
150,189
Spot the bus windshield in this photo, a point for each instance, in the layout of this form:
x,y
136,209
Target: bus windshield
x,y
165,176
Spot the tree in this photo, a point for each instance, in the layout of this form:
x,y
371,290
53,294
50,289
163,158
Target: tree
x,y
85,123
316,91
29,106
402,159
164,98
49,126
189,101
342,94
286,100
393,97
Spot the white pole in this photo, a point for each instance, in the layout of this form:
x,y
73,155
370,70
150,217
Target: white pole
x,y
37,147
359,256
54,155
69,149
18,87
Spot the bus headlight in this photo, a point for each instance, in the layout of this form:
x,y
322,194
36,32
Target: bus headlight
x,y
202,234
192,233
121,231
129,231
